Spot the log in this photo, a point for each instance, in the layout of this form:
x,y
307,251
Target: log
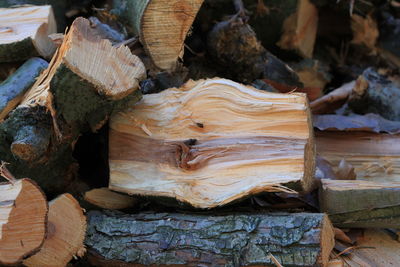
x,y
23,216
13,89
167,239
86,81
107,199
211,142
361,204
379,95
66,228
24,32
375,157
164,45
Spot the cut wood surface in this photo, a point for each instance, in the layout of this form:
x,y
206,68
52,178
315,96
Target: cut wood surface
x,y
301,239
86,81
66,228
361,204
23,217
107,199
13,89
211,142
24,32
162,26
375,157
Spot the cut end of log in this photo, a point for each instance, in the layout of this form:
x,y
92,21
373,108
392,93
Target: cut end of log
x,y
211,142
28,23
66,232
107,199
23,215
165,43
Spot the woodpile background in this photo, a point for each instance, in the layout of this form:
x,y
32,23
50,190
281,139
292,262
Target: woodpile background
x,y
199,133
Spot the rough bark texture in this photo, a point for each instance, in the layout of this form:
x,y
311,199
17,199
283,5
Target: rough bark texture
x,y
115,239
13,89
211,142
163,44
77,93
361,204
380,96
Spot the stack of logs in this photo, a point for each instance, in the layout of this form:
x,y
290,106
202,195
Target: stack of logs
x,y
184,149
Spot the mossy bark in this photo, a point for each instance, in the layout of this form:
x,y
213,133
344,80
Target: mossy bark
x,y
12,89
18,51
360,204
117,239
130,13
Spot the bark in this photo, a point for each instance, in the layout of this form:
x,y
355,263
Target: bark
x,y
23,216
28,37
216,141
379,95
13,89
163,239
164,45
66,228
361,204
86,82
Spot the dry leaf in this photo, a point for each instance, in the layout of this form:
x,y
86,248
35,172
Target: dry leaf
x,y
345,171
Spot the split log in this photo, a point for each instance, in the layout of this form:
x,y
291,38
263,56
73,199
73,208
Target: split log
x,y
66,228
164,45
13,89
379,95
23,216
301,239
211,142
361,204
375,157
107,199
24,32
86,81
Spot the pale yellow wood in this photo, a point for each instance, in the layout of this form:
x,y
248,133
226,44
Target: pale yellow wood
x,y
107,199
66,228
23,215
35,22
300,29
211,142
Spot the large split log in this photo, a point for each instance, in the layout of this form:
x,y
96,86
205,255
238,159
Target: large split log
x,y
13,89
163,44
86,81
301,239
23,216
211,142
360,204
24,32
66,228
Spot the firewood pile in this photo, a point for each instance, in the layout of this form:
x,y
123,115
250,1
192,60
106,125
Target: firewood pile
x,y
199,133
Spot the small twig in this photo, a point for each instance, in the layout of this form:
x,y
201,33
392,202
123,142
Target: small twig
x,y
4,172
277,263
129,42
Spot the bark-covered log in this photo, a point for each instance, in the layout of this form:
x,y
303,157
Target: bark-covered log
x,y
163,44
87,80
211,142
23,216
116,239
379,95
361,204
13,89
25,33
66,228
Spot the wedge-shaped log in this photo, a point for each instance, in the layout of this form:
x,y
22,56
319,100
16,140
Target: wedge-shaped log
x,y
360,204
24,32
85,82
211,142
23,216
301,239
66,228
106,199
164,44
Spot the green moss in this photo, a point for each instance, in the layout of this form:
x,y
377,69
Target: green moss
x,y
17,51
